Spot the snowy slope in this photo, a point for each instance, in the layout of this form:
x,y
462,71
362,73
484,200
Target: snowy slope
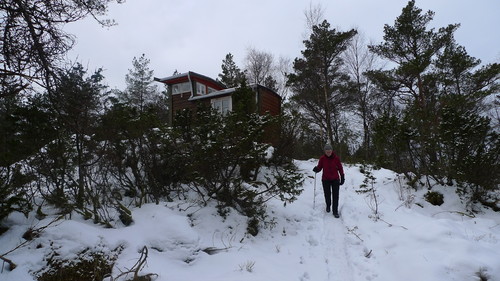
x,y
408,242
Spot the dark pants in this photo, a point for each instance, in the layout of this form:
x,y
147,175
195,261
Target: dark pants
x,y
331,190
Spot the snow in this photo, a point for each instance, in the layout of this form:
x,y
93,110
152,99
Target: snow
x,y
410,240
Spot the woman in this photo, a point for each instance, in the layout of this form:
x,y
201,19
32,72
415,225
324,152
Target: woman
x,y
332,179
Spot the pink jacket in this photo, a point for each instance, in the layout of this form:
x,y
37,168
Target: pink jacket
x,y
331,166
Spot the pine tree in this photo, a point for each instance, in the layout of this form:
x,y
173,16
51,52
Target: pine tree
x,y
66,162
141,89
231,75
25,129
441,92
319,83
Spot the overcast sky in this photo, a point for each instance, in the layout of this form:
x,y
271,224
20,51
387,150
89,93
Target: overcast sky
x,y
196,35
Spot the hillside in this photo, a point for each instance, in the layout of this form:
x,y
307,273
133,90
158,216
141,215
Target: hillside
x,y
409,239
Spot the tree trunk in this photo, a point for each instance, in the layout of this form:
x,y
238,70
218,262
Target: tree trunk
x,y
329,130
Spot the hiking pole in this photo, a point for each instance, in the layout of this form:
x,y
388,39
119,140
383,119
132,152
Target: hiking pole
x,y
314,197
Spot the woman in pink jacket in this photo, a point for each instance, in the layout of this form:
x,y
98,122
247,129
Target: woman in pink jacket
x,y
332,179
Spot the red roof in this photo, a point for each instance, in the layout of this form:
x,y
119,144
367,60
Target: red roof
x,y
188,76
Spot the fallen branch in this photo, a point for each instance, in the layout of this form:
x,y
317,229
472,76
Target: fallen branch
x,y
367,255
391,225
29,235
354,233
458,212
137,267
12,265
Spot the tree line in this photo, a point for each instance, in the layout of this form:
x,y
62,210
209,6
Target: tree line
x,y
416,103
99,152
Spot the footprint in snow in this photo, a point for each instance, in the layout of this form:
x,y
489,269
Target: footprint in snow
x,y
312,241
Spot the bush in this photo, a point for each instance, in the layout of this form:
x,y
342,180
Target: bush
x,y
125,214
253,226
232,161
434,197
482,274
13,195
88,266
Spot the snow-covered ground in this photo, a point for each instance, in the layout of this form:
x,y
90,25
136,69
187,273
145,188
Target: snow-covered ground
x,y
411,240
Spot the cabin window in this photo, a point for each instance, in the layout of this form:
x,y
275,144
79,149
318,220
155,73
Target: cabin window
x,y
222,105
181,88
201,89
210,90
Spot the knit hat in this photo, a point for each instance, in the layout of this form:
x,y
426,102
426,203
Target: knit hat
x,y
328,147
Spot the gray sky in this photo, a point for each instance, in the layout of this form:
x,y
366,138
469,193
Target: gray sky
x,y
196,35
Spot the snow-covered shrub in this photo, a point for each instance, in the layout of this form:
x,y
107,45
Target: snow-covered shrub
x,y
87,265
434,197
229,162
12,191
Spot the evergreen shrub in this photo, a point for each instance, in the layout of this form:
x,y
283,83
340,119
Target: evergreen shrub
x,y
434,197
87,266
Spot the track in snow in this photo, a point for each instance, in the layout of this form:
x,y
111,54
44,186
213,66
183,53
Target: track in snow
x,y
328,258
333,239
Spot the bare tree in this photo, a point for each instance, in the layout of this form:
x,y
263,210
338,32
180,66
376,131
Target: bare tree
x,y
258,65
314,15
32,40
283,68
261,68
357,60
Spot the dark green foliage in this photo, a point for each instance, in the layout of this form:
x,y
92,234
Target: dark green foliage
x,y
141,90
369,180
246,129
64,166
434,197
222,153
471,146
51,166
227,160
389,143
321,87
83,151
270,83
13,194
410,44
298,139
87,266
231,75
253,226
140,152
412,47
3,229
125,214
141,155
25,128
368,187
439,129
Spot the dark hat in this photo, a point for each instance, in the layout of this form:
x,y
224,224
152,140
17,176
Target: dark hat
x,y
328,147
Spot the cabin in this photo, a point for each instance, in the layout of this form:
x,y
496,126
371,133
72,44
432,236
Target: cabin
x,y
188,90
